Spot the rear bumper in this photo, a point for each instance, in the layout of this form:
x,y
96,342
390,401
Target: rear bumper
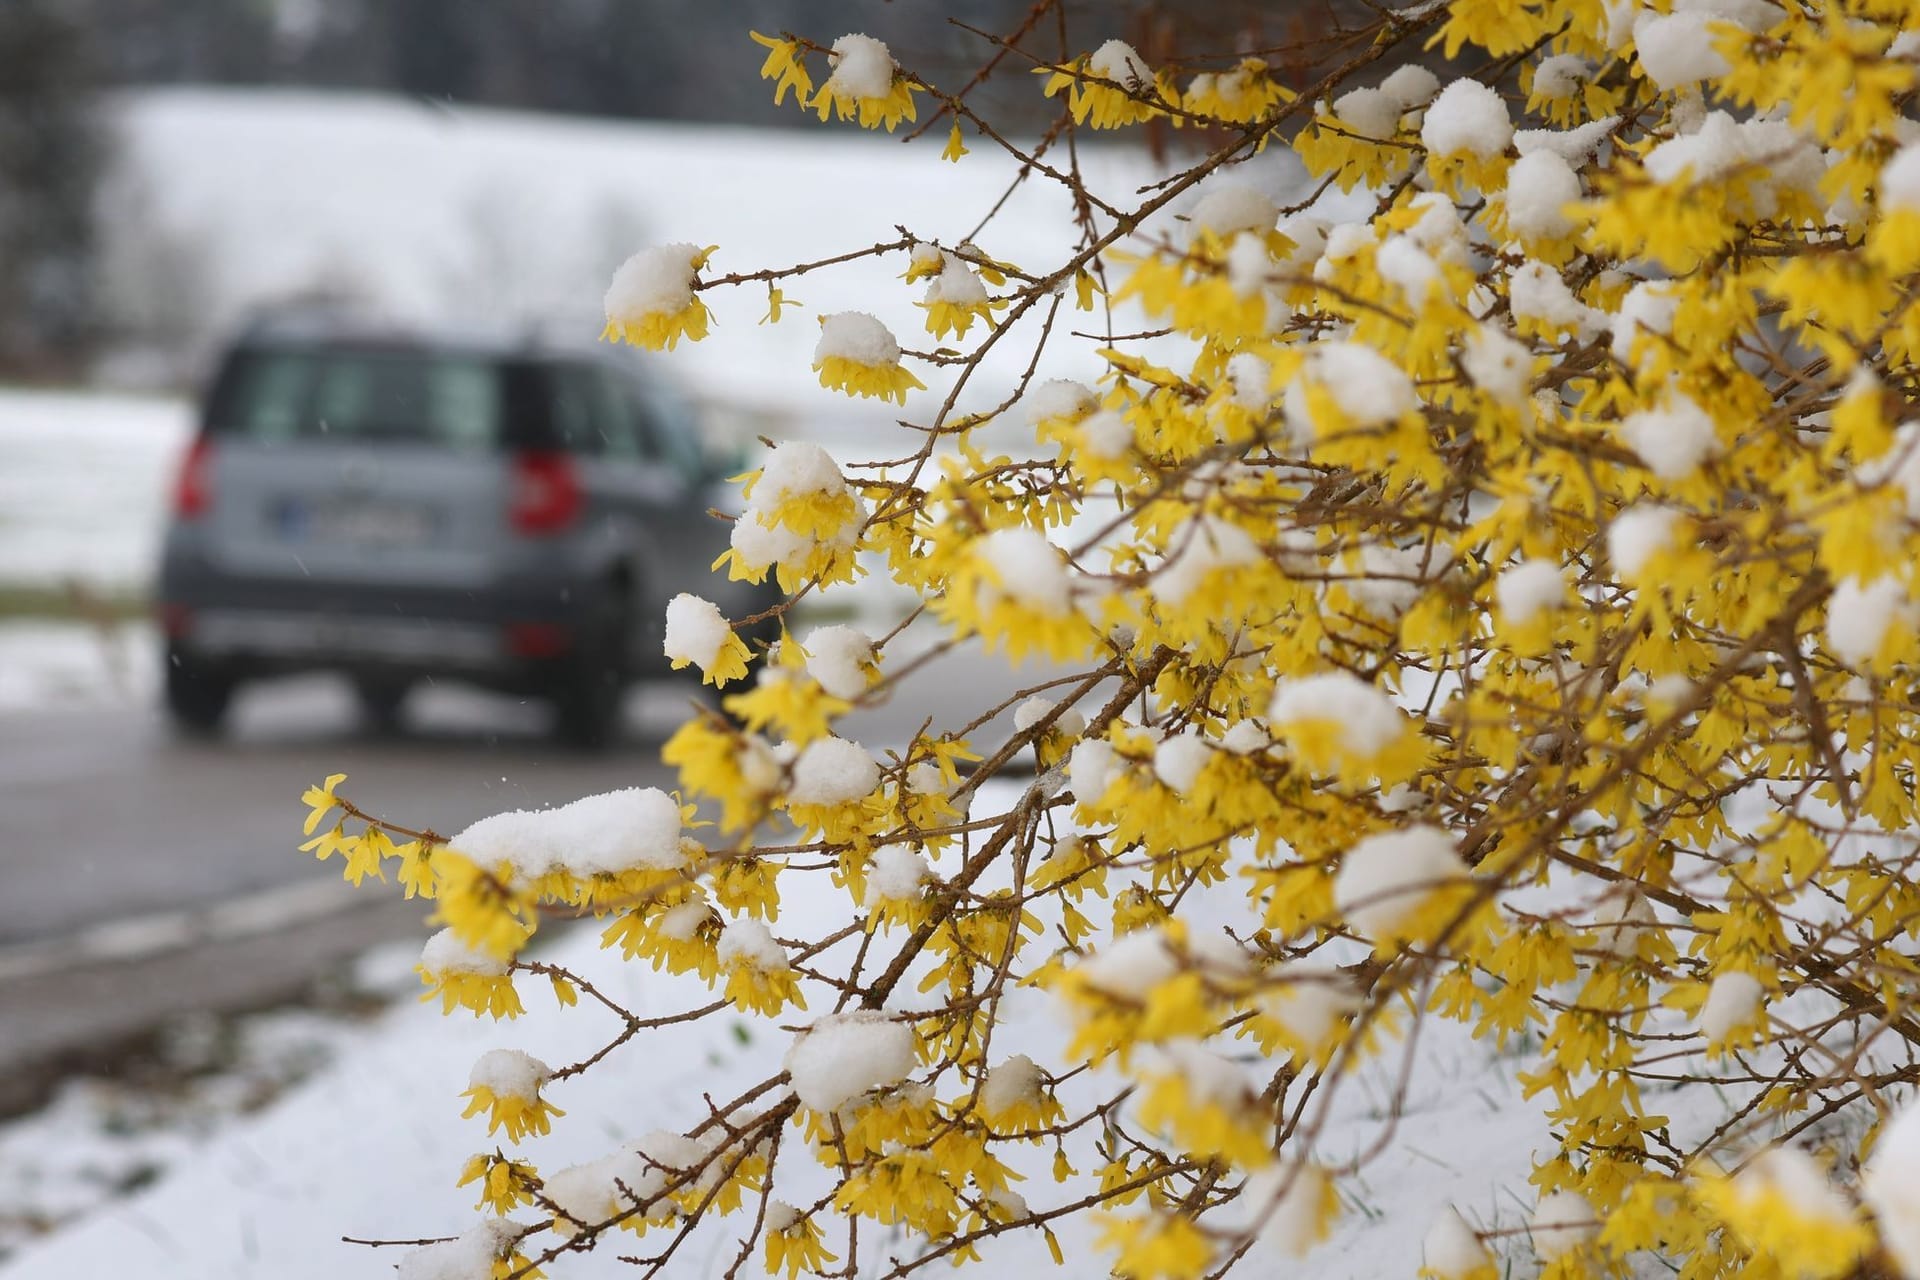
x,y
321,639
514,635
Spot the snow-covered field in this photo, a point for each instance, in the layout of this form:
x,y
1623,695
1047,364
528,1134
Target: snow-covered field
x,y
480,216
84,480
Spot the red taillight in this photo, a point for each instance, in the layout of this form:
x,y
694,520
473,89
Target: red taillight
x,y
176,620
535,639
545,493
193,488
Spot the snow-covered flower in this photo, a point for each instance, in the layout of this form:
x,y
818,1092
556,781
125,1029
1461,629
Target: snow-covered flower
x,y
859,355
866,85
698,633
505,1085
652,301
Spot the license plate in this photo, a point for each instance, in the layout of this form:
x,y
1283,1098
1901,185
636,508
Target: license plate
x,y
363,524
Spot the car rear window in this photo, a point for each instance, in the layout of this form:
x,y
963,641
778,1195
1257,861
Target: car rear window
x,y
451,400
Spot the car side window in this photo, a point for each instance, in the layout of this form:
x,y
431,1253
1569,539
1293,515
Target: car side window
x,y
677,430
625,427
575,425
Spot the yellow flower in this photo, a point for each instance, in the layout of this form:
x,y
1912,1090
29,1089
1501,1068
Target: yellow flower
x,y
955,147
505,1085
652,301
1105,89
320,801
1157,1248
698,634
859,355
1784,1208
463,977
866,85
784,62
760,979
794,1243
776,301
485,909
504,1184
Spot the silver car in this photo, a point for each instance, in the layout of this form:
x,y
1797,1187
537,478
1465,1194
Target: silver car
x,y
395,508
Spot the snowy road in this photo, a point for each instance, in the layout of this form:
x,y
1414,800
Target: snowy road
x,y
142,876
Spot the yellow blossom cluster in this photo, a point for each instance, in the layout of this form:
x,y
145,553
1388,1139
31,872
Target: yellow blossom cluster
x,y
1487,605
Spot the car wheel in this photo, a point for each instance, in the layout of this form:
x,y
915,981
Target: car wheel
x,y
589,705
381,698
198,694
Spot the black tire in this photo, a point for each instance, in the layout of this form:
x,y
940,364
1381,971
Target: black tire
x,y
589,704
198,694
382,699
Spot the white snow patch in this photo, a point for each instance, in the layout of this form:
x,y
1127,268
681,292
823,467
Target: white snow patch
x,y
1069,723
1059,398
509,1073
1411,86
1891,1184
1467,118
838,657
1676,49
1576,145
1030,570
1451,1249
469,1256
1368,389
1107,434
862,67
833,771
1674,439
1535,291
1206,544
1499,364
897,875
1733,1002
696,631
1371,113
1368,719
1648,307
1524,590
1234,206
1130,966
846,1055
1092,767
1539,187
1638,534
856,336
1178,760
751,943
445,953
1900,180
1011,1083
1562,1221
638,827
1384,877
1859,615
652,282
1116,60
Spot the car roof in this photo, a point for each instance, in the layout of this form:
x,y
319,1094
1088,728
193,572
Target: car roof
x,y
322,329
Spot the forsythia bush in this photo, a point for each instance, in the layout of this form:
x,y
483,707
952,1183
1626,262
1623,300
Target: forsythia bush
x,y
1502,608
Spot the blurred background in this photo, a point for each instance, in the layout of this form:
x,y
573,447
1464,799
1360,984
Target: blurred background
x,y
174,173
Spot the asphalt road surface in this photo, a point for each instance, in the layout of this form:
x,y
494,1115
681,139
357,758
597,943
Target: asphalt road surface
x,y
142,876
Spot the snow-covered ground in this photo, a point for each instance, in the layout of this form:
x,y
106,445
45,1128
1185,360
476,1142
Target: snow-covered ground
x,y
84,480
76,664
370,1146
